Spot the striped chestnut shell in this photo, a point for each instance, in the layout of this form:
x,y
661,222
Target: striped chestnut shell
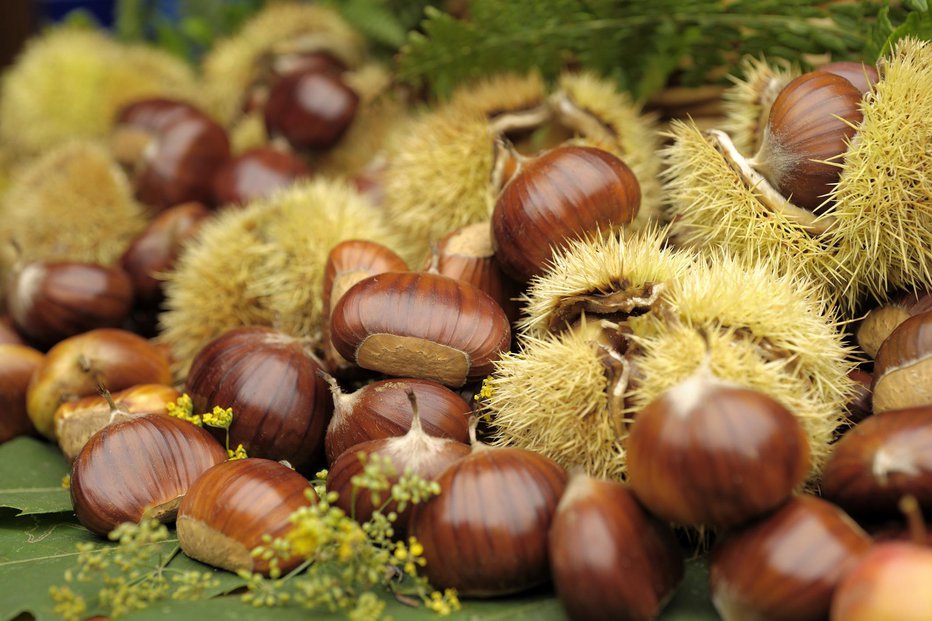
x,y
50,301
710,453
381,409
139,468
347,263
862,77
565,193
420,325
811,123
883,458
486,533
611,560
281,406
467,254
257,173
902,366
232,505
786,566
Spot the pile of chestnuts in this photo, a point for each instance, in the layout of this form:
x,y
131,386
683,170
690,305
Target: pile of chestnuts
x,y
396,369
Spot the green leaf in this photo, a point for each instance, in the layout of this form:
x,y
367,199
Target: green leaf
x,y
31,473
35,552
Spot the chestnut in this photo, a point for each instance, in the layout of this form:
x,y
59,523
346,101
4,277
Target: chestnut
x,y
882,320
706,452
420,325
51,300
17,364
138,122
859,404
179,163
381,409
154,250
76,421
311,109
609,558
810,124
416,452
281,406
486,533
901,366
139,468
466,254
565,193
882,459
229,508
256,173
8,333
79,365
347,263
862,77
785,566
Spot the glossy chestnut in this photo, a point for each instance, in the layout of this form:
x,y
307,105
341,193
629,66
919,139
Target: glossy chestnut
x,y
880,322
710,453
138,122
51,300
17,364
139,468
281,406
420,325
349,262
8,333
810,124
859,404
257,173
79,365
609,558
179,163
902,367
862,77
565,193
467,254
486,533
311,109
415,452
154,250
226,512
785,566
76,421
882,459
381,409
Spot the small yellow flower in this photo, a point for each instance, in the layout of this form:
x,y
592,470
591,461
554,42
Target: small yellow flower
x,y
239,453
221,418
66,481
183,408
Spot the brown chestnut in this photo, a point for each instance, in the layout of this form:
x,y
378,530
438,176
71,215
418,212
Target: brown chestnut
x,y
311,109
8,333
415,452
811,122
609,558
281,406
51,300
79,365
382,410
466,254
420,325
706,452
347,263
859,404
785,567
880,322
902,365
138,122
226,512
76,421
17,364
862,77
562,194
882,459
486,533
257,173
139,468
154,250
179,163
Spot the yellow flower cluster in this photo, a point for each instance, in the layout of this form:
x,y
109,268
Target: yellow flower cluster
x,y
183,408
220,418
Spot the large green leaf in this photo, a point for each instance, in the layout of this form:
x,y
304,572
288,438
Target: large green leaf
x,y
36,550
31,472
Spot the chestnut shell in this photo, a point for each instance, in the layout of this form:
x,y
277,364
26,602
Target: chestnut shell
x,y
255,174
311,109
281,406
